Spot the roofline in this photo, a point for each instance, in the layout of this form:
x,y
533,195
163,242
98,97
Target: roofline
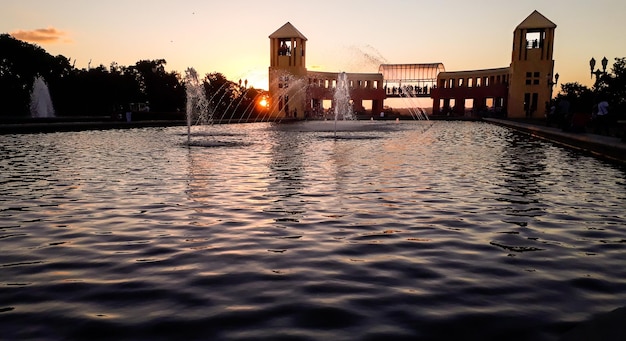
x,y
493,70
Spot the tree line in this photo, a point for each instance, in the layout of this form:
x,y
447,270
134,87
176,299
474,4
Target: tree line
x,y
102,91
610,86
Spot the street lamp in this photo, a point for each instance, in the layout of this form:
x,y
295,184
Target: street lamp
x,y
549,104
598,73
551,83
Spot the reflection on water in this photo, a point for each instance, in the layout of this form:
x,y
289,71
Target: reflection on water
x,y
391,231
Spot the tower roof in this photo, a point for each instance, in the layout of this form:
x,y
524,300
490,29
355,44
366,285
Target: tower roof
x,y
287,31
536,20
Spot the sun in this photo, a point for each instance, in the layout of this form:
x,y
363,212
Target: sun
x,y
264,102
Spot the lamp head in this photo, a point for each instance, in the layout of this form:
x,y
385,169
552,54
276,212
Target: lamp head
x,y
592,64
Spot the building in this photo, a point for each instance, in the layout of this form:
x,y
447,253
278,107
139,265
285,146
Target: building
x,y
297,93
524,89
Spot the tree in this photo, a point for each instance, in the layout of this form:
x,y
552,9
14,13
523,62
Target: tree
x,y
612,87
102,91
580,97
164,91
219,93
20,63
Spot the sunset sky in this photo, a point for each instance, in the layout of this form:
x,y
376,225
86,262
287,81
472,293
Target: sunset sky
x,y
231,37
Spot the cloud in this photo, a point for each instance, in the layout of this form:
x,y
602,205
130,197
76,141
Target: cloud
x,y
41,35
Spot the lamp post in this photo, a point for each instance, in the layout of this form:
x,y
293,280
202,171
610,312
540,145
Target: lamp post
x,y
551,83
597,72
550,107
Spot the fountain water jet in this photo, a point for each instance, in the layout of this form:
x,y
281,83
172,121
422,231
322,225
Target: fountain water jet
x,y
342,98
198,113
40,101
197,104
416,112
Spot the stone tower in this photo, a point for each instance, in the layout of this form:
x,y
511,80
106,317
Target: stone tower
x,y
287,73
532,67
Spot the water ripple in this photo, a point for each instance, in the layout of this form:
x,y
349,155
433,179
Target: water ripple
x,y
390,231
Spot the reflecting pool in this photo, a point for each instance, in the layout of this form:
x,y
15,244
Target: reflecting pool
x,y
409,230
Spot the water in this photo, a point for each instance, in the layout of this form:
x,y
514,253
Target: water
x,y
343,107
411,99
462,231
40,101
197,105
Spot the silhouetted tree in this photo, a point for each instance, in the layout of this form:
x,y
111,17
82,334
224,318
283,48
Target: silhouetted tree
x,y
219,93
102,91
162,90
20,63
612,87
580,97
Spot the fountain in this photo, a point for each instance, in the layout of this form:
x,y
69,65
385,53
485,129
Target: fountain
x,y
416,112
40,101
342,98
199,113
197,104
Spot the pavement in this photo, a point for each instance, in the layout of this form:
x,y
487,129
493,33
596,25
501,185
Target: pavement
x,y
604,147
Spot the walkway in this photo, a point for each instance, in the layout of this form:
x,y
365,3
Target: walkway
x,y
604,147
410,80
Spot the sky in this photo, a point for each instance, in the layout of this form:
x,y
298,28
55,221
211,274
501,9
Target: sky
x,y
231,37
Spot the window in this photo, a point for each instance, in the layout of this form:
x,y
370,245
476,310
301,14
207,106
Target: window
x,y
532,78
468,103
285,47
533,40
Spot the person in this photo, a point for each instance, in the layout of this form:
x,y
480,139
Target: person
x,y
551,116
602,119
563,115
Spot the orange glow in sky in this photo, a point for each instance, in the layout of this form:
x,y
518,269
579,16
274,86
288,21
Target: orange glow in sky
x,y
231,37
